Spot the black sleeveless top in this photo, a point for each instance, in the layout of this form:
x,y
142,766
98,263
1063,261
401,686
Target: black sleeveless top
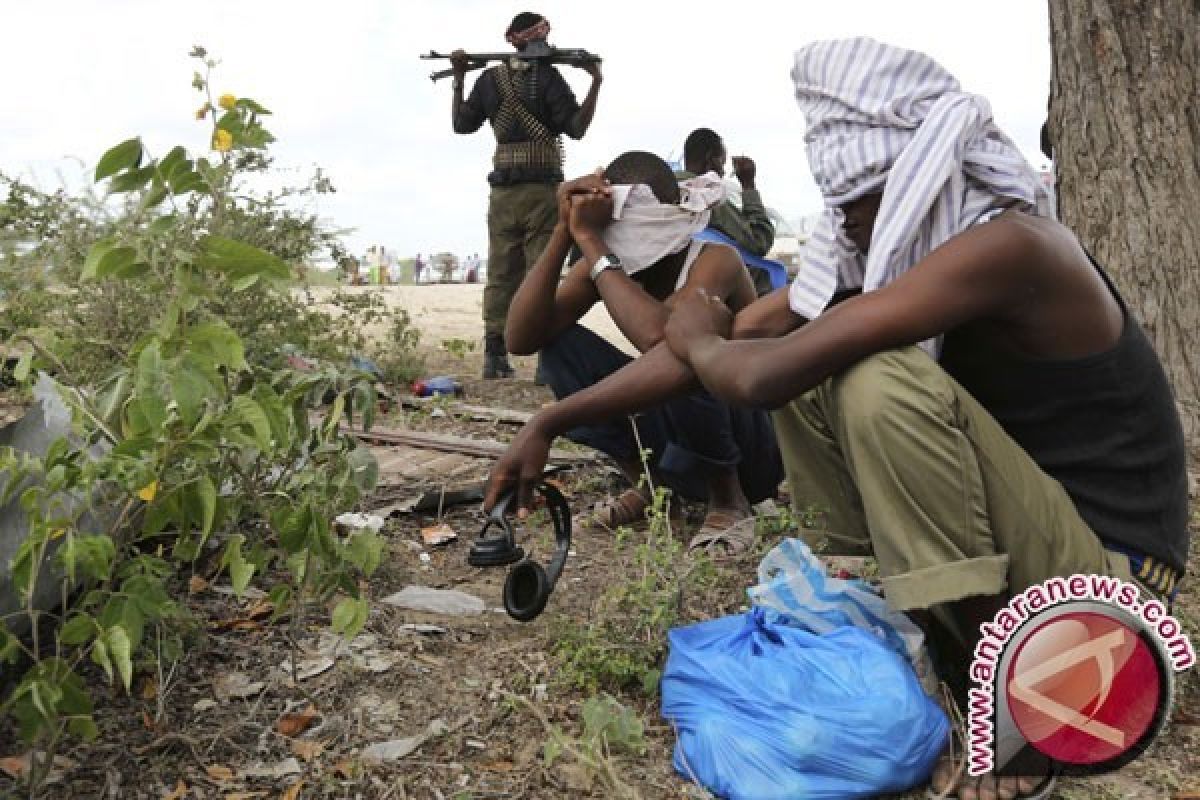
x,y
1105,426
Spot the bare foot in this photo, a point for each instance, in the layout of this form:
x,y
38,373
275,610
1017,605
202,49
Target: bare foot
x,y
949,780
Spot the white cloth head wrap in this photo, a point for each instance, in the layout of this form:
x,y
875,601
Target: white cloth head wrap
x,y
881,116
643,230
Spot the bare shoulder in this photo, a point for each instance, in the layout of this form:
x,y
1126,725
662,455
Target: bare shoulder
x,y
719,256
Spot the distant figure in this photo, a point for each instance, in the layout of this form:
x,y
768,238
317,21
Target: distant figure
x,y
750,226
530,106
418,268
473,269
384,271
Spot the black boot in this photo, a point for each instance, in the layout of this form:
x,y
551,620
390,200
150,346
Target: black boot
x,y
495,358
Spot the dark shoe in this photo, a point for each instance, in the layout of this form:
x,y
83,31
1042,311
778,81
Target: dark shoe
x,y
539,379
495,365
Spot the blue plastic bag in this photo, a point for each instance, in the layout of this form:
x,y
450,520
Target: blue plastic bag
x,y
792,581
765,710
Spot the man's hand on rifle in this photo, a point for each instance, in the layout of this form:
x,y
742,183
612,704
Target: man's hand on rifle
x,y
459,62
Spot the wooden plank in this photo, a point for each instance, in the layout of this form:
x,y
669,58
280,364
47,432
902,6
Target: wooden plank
x,y
446,443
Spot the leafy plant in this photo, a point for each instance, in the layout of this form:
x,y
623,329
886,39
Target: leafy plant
x,y
622,645
184,455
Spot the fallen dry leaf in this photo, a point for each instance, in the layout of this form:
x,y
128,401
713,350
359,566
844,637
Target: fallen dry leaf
x,y
500,766
345,768
220,773
292,792
178,793
245,795
18,766
260,609
438,534
148,721
308,749
15,766
288,766
297,722
196,584
395,749
149,689
237,685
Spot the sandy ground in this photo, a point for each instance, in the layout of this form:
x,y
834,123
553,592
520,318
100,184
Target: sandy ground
x,y
454,311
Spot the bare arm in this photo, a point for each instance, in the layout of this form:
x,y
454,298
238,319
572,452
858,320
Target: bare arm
x,y
464,115
647,381
639,315
542,308
981,273
769,317
583,117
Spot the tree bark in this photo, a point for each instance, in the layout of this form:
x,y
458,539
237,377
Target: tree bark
x,y
1125,126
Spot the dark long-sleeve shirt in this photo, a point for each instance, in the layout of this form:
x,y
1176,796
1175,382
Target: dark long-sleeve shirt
x,y
548,97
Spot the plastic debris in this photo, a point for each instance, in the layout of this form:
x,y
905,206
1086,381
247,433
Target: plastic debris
x,y
436,601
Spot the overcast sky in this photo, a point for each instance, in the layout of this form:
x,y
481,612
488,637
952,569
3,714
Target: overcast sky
x,y
350,95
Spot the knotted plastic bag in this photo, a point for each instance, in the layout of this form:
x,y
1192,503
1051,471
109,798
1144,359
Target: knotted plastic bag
x,y
793,581
765,710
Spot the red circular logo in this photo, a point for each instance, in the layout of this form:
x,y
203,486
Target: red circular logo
x,y
1084,688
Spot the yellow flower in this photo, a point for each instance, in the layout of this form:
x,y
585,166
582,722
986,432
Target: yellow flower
x,y
202,111
222,141
227,102
148,491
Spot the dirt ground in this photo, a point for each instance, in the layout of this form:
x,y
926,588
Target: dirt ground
x,y
480,693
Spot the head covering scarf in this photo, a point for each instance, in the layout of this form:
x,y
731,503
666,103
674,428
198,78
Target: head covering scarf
x,y
519,39
643,230
884,118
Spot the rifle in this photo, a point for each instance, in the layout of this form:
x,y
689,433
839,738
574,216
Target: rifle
x,y
534,51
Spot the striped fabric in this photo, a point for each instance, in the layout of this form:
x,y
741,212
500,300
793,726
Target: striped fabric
x,y
884,118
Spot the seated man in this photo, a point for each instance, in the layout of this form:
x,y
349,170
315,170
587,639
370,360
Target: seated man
x,y
749,226
1043,442
634,227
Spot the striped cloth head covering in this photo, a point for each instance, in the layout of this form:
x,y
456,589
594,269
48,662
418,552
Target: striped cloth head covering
x,y
881,117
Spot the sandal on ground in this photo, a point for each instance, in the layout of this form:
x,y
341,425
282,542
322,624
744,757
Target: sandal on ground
x,y
724,535
627,508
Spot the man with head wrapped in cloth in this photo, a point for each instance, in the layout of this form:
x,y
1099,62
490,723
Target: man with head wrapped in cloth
x,y
958,385
634,224
530,106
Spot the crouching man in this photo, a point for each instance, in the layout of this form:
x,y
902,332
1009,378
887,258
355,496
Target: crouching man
x,y
634,225
1033,434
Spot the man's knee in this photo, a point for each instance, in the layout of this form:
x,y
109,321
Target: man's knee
x,y
887,388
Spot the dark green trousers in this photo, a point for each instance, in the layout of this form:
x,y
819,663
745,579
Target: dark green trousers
x,y
520,221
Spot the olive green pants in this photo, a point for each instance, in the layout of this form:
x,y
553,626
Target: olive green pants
x,y
906,466
520,220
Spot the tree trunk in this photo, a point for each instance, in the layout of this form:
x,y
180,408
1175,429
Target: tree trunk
x,y
1125,126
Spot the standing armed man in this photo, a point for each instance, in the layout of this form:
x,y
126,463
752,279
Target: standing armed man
x,y
530,106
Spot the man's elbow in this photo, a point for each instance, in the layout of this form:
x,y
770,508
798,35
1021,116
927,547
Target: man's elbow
x,y
519,343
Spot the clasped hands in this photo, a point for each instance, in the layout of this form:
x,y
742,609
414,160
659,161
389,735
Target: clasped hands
x,y
585,205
